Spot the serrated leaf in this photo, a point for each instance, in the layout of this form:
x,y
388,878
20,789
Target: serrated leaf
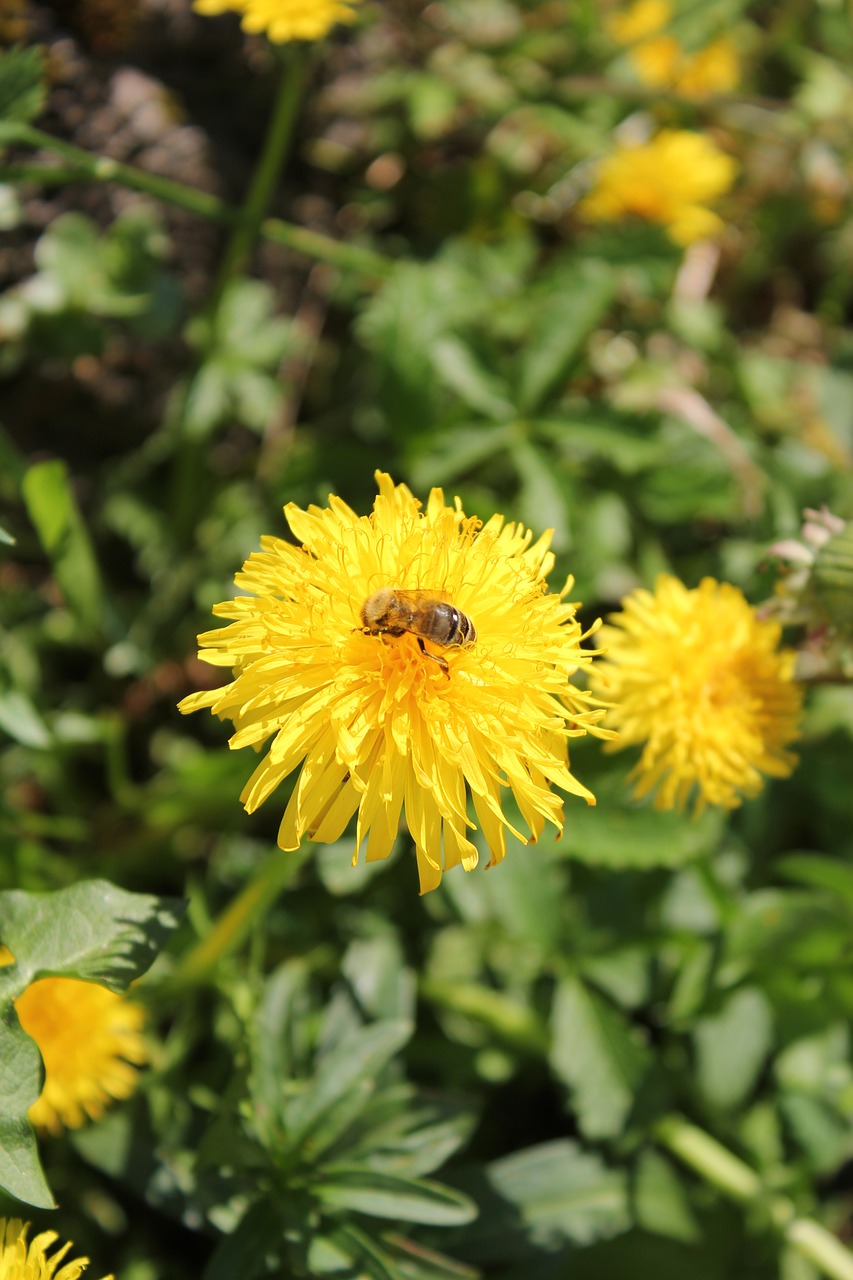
x,y
385,1195
544,1198
62,532
561,325
20,1171
597,1054
731,1048
22,91
92,930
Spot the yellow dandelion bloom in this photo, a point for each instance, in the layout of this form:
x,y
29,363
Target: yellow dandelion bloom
x,y
669,180
714,69
699,681
23,1260
283,20
643,18
91,1044
657,61
394,720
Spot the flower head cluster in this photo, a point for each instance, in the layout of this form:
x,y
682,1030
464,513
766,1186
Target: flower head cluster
x,y
699,681
91,1044
21,1259
284,20
669,180
662,62
462,689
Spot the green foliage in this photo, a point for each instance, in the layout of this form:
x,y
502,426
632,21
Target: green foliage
x,y
22,92
91,931
566,1066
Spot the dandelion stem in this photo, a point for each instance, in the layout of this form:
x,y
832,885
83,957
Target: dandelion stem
x,y
241,916
266,175
713,1162
83,167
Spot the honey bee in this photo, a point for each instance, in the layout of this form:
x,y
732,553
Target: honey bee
x,y
425,614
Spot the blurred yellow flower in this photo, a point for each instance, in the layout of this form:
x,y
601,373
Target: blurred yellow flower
x,y
20,1260
669,180
699,681
714,69
283,20
91,1043
662,62
386,722
643,18
656,61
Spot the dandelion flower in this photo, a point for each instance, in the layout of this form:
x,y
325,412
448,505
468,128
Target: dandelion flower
x,y
669,180
283,20
20,1260
385,723
641,19
91,1044
699,681
662,62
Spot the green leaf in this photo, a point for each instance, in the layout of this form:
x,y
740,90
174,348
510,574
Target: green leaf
x,y
416,1262
596,1053
92,930
448,454
561,325
542,501
20,720
20,1171
384,1195
278,1040
245,1252
54,512
460,370
731,1048
611,836
6,538
344,1082
22,92
544,1198
660,1202
821,873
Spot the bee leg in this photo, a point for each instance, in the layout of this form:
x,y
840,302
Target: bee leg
x,y
435,657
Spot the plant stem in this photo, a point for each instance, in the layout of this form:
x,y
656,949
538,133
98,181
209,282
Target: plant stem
x,y
713,1162
85,167
266,175
242,915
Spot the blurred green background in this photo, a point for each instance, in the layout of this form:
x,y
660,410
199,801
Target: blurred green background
x,y
659,410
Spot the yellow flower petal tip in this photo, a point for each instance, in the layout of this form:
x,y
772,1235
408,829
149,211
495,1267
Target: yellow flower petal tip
x,y
284,20
91,1043
458,688
700,683
669,180
21,1259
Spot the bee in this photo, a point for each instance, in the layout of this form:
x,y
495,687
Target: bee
x,y
425,614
